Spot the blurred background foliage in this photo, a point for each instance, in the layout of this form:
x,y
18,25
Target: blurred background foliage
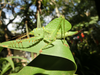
x,y
82,14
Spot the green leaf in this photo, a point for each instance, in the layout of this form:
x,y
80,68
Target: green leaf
x,y
9,60
57,51
54,60
13,74
6,68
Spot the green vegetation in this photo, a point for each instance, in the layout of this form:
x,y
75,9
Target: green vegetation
x,y
84,45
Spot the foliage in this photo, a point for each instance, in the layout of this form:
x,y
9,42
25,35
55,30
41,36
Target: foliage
x,y
85,46
7,65
82,15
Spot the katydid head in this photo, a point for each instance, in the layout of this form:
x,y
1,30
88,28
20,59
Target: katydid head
x,y
62,16
37,32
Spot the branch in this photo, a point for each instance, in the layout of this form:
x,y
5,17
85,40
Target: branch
x,y
12,20
93,38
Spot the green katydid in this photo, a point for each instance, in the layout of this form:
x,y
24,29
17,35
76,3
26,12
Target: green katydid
x,y
56,29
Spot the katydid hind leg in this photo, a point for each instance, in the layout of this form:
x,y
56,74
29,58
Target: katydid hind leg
x,y
21,43
46,46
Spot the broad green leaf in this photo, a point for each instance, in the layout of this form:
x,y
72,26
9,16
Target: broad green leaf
x,y
13,74
54,60
57,51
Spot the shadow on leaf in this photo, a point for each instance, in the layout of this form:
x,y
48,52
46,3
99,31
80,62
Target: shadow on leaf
x,y
40,74
48,62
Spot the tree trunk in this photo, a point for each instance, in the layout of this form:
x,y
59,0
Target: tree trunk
x,y
38,5
6,38
6,35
